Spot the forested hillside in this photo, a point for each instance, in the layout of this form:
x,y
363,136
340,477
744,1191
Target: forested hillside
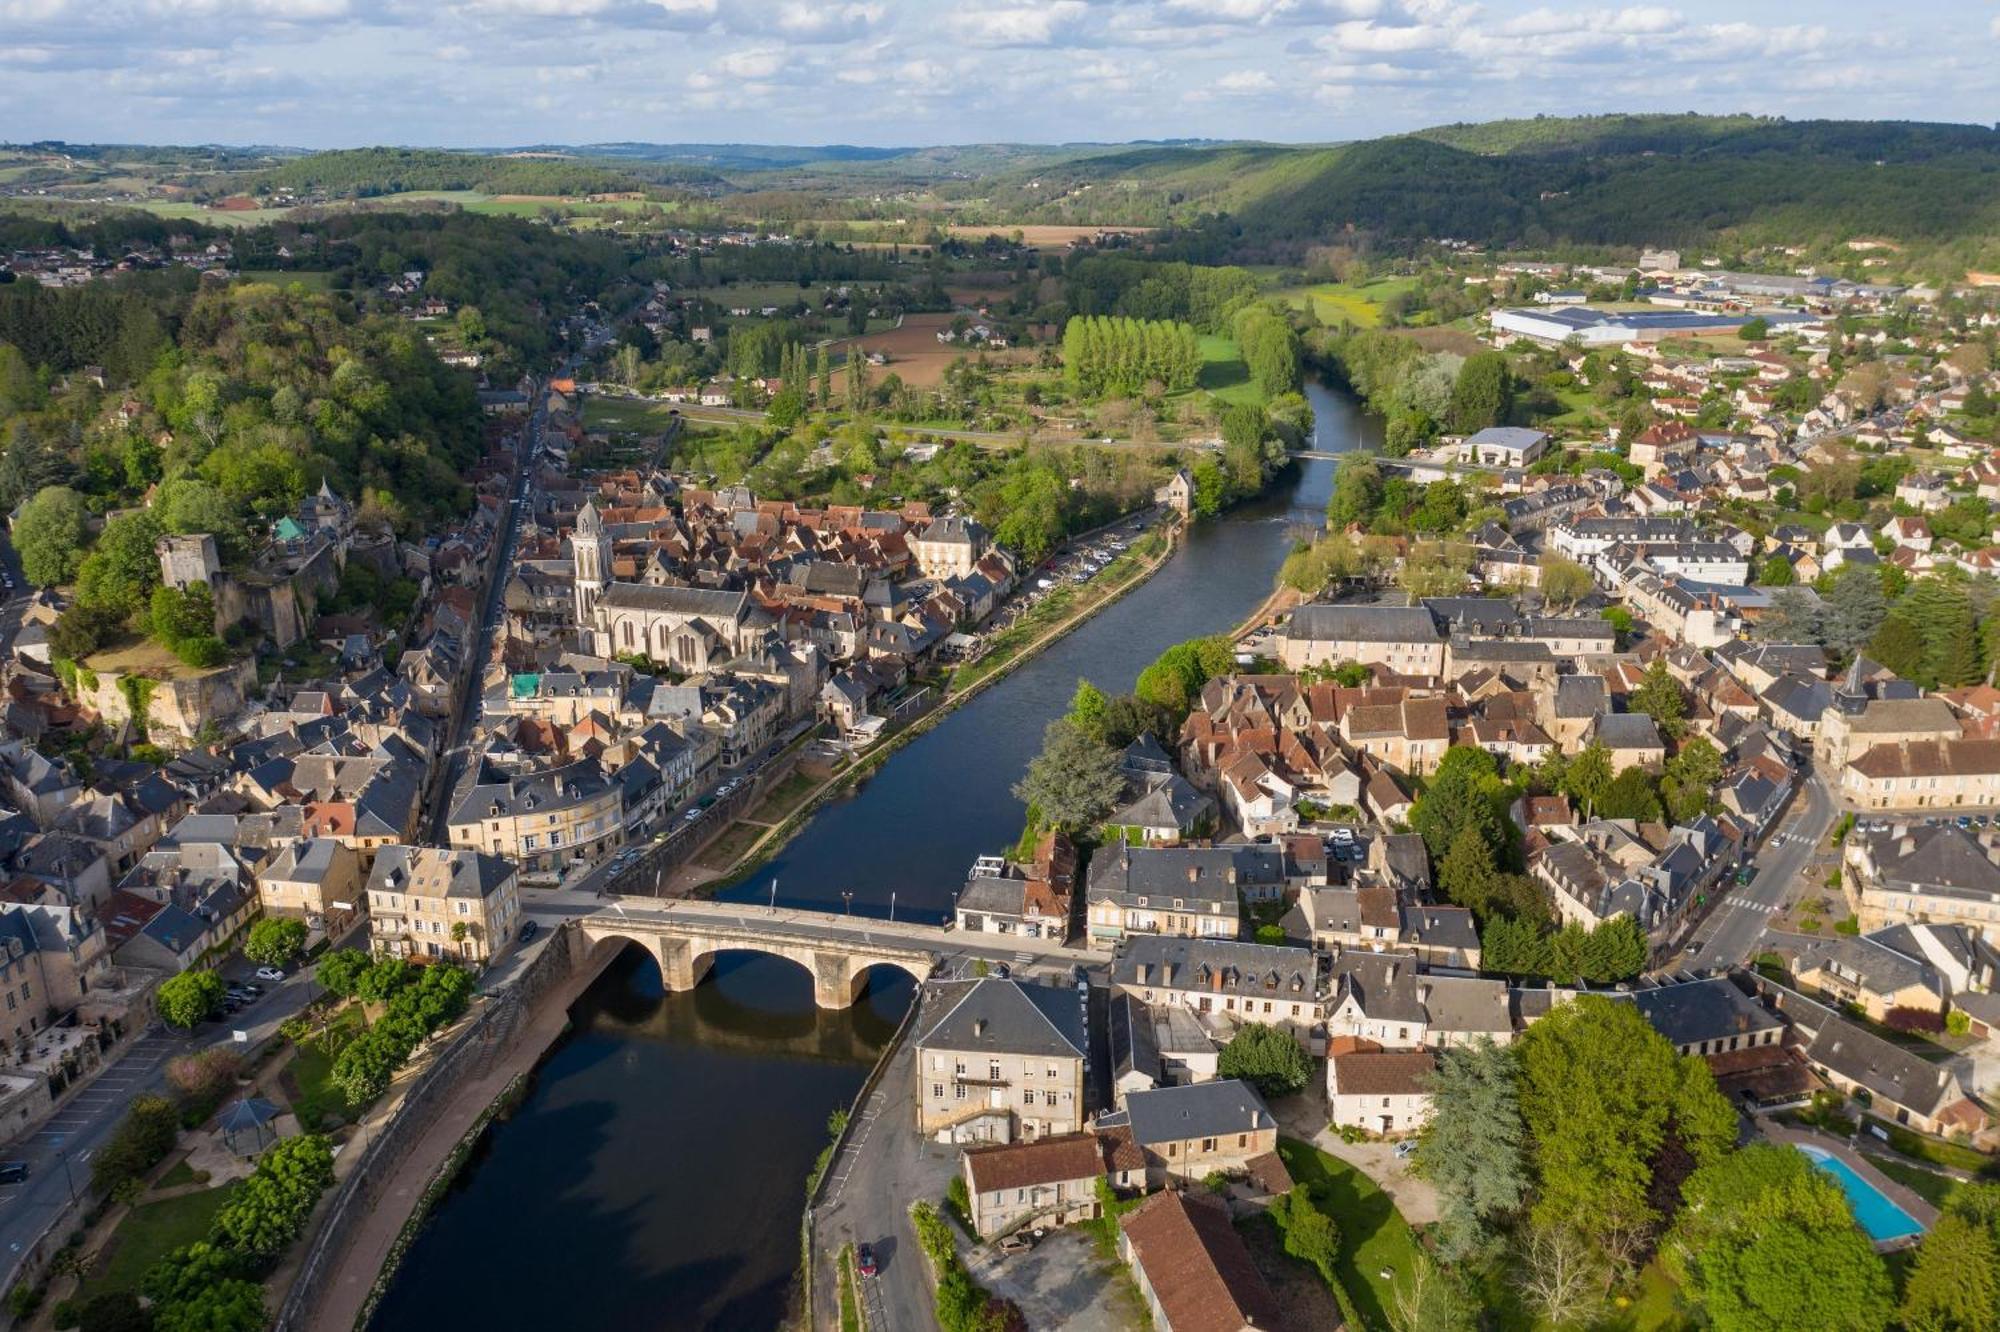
x,y
1611,180
366,172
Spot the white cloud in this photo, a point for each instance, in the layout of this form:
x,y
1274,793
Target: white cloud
x,y
1246,81
1022,25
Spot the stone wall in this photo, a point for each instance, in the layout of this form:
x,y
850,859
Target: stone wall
x,y
467,1054
177,709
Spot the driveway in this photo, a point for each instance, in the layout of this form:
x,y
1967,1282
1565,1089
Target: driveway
x,y
1062,1282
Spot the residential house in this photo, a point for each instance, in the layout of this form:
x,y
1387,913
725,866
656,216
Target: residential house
x,y
429,902
1044,1181
1383,1092
1001,1059
1188,1132
1192,1268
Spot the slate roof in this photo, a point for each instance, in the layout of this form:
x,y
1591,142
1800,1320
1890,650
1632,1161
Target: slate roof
x,y
1366,624
1627,730
690,601
1006,1016
1197,1110
1703,1010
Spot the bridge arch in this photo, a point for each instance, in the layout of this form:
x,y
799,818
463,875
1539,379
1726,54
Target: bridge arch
x,y
839,968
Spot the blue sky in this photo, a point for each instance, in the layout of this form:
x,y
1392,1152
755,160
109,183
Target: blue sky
x,y
332,73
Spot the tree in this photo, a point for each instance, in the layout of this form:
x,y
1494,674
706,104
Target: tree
x,y
1464,792
1588,777
340,971
1357,490
1472,1149
1659,696
384,976
200,1080
1777,572
1465,876
1075,781
1605,1099
1562,1278
1310,1234
122,571
275,941
1211,487
50,535
1954,1285
189,998
1432,1301
1564,582
1794,1257
1088,708
200,1288
1855,608
141,1141
365,1066
1754,330
1267,1058
1690,777
1794,617
1483,394
113,1311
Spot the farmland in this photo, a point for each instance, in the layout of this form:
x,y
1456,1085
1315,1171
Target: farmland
x,y
1043,237
1335,302
916,356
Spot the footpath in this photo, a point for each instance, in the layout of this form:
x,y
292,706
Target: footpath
x,y
361,1258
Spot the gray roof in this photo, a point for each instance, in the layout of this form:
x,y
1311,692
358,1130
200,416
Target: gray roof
x,y
1482,615
1384,984
1007,1017
1580,696
1703,1010
1201,1110
1203,874
1508,437
1887,1070
1225,966
1363,624
1627,730
1936,858
1467,1004
691,601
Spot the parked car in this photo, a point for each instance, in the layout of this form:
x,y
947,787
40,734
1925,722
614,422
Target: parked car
x,y
528,929
1018,1242
1406,1149
271,974
864,1260
13,1172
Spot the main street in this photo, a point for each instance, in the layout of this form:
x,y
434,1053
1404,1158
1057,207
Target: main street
x,y
1729,936
481,647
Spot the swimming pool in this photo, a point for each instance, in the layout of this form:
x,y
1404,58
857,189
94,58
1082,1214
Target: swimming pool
x,y
1881,1218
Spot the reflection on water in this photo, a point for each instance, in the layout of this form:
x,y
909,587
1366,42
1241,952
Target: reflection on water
x,y
654,1176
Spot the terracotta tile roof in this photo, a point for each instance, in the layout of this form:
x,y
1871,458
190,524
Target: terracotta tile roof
x,y
1197,1266
1929,758
1021,1165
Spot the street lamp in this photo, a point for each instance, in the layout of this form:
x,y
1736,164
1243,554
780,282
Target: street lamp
x,y
847,895
892,906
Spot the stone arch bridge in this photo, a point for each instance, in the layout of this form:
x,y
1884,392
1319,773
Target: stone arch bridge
x,y
836,951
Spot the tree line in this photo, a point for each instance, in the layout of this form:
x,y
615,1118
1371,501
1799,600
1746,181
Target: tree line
x,y
1117,356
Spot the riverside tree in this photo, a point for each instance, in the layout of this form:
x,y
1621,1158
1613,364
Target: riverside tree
x,y
1116,356
1074,782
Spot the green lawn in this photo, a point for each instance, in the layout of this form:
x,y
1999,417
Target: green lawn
x,y
1932,1187
309,1077
150,1232
600,412
311,280
1337,301
178,1174
1223,371
1374,1238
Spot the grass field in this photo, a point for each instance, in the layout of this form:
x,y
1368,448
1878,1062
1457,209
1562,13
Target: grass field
x,y
634,414
311,280
1043,237
1377,1249
309,1077
215,217
1223,372
1337,301
149,1233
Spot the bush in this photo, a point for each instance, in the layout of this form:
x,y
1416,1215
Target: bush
x,y
24,1299
113,1311
1902,1018
269,1210
1267,1058
959,1199
202,1080
142,1140
1958,1022
65,1314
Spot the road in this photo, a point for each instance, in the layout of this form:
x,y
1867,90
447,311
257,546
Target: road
x,y
84,1123
887,1165
459,734
1729,936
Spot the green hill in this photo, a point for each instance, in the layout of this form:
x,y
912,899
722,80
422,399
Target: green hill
x,y
367,172
1603,180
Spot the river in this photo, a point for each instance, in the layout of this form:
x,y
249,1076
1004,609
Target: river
x,y
654,1175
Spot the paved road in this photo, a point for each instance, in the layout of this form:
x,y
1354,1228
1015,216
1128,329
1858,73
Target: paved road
x,y
1729,936
460,732
76,1132
886,1167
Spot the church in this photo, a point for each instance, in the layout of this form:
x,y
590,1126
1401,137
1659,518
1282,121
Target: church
x,y
690,629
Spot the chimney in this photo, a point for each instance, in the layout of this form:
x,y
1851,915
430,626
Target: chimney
x,y
1194,873
979,1026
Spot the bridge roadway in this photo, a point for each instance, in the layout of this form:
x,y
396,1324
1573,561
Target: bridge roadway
x,y
837,950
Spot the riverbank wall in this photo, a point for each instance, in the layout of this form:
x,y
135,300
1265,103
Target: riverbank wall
x,y
781,833
411,1142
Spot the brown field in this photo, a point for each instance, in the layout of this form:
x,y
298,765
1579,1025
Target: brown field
x,y
915,355
1045,237
1455,340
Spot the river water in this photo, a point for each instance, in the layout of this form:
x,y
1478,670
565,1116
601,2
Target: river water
x,y
654,1176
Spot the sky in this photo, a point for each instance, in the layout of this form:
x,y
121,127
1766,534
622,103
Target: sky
x,y
492,73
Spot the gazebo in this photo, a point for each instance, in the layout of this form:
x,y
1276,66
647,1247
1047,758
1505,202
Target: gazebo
x,y
248,1125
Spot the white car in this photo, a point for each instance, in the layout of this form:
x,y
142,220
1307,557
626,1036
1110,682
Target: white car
x,y
271,974
1343,834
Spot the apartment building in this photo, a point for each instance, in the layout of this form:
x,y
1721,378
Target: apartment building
x,y
542,819
1000,1060
433,903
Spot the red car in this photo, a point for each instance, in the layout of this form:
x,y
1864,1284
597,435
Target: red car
x,y
864,1260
